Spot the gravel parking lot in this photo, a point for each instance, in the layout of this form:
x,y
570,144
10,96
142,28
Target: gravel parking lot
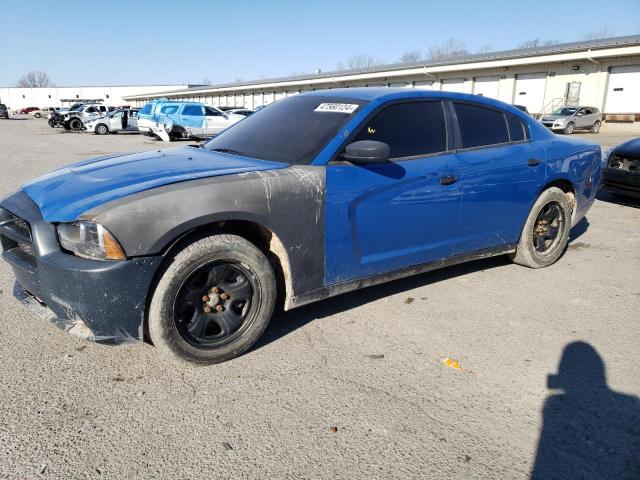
x,y
352,387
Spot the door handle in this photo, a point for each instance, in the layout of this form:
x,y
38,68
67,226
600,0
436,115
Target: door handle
x,y
532,162
448,180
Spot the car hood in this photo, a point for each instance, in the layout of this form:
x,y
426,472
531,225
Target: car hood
x,y
64,194
631,148
555,117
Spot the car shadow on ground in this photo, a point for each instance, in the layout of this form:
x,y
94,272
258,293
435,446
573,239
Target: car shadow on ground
x,y
618,199
589,431
284,323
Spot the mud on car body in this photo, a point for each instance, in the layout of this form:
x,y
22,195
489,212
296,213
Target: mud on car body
x,y
314,196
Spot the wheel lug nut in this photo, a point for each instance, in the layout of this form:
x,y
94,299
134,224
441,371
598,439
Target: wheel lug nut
x,y
205,298
207,309
224,296
219,308
214,289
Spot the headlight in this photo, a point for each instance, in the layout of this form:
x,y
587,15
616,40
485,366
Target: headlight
x,y
561,121
89,240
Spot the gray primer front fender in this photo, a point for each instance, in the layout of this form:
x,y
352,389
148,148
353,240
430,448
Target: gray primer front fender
x,y
289,202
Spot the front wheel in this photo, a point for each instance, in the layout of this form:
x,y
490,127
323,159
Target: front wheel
x,y
546,232
75,124
52,123
213,301
102,129
569,129
595,128
37,115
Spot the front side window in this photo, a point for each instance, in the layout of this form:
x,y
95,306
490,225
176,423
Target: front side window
x,y
410,129
91,110
169,109
480,126
211,112
293,130
193,110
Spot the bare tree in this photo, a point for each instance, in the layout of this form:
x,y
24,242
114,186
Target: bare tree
x,y
411,56
35,78
452,48
604,32
359,61
486,48
537,42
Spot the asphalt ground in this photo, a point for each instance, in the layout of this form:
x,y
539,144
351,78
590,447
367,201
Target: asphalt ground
x,y
355,387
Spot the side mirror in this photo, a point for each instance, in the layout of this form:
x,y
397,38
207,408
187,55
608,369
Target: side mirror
x,y
366,152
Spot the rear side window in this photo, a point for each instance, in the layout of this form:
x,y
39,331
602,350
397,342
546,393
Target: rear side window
x,y
480,126
410,129
193,110
516,128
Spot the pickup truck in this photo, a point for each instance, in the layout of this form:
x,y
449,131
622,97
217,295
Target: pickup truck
x,y
75,119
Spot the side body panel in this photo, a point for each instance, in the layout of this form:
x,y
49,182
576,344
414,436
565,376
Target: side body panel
x,y
289,202
498,188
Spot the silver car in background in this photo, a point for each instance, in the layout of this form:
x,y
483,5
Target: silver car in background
x,y
570,119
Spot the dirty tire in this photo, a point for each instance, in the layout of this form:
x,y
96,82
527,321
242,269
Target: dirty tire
x,y
526,253
102,129
75,124
569,129
216,249
52,123
595,128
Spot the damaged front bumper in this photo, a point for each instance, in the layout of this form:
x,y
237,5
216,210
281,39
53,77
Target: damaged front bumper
x,y
102,301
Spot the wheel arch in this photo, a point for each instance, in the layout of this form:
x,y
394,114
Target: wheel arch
x,y
567,187
261,236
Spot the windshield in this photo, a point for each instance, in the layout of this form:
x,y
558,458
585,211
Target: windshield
x,y
146,110
292,130
565,112
75,106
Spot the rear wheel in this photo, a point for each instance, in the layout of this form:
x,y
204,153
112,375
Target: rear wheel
x,y
102,129
595,128
569,129
213,301
546,232
52,123
37,115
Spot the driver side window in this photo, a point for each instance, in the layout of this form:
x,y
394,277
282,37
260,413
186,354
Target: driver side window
x,y
410,129
211,112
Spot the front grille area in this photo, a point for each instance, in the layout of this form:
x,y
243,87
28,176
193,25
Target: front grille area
x,y
626,163
15,237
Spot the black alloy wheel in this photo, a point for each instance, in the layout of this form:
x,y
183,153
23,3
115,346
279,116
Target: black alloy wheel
x,y
549,223
214,304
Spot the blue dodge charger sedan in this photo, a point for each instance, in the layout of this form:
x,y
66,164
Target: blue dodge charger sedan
x,y
314,196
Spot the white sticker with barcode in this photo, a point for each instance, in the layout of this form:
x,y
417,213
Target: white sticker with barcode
x,y
336,107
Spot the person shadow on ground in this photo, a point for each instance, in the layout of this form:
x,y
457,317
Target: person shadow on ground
x,y
589,431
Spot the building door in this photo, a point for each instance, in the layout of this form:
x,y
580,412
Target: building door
x,y
623,93
530,91
453,85
487,86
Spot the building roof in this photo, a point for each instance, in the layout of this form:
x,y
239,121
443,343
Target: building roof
x,y
630,40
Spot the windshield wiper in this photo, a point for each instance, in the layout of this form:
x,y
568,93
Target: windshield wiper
x,y
230,151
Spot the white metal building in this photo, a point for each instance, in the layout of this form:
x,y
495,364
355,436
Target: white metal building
x,y
601,73
16,97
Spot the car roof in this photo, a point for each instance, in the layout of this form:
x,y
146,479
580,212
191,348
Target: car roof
x,y
385,94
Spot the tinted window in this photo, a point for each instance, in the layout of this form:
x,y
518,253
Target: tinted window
x,y
516,128
193,110
91,110
169,109
409,129
480,126
290,130
146,110
211,112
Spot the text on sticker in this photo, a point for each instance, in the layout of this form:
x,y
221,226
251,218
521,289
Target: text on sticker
x,y
336,107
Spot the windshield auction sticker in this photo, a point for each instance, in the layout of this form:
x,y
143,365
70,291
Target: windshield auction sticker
x,y
336,107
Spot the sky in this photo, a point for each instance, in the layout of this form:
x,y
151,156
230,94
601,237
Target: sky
x,y
139,42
